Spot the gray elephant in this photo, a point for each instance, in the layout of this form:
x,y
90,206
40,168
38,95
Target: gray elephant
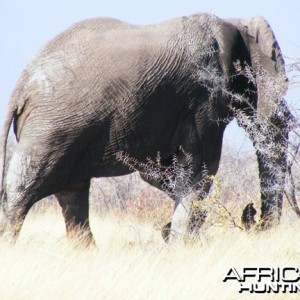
x,y
104,86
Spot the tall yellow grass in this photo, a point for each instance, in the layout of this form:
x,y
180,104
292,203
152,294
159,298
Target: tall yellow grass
x,y
132,261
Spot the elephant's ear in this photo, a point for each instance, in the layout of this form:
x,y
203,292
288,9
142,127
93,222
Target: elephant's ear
x,y
263,45
266,62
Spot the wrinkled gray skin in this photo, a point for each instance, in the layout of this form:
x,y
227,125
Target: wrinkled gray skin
x,y
104,86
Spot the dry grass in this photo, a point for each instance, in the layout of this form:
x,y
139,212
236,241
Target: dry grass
x,y
132,261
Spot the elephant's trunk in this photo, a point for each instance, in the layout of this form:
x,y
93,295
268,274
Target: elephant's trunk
x,y
272,189
269,120
271,143
272,169
268,126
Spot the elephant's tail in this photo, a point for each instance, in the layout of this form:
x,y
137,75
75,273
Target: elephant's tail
x,y
3,141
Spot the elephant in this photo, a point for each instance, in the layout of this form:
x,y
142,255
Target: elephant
x,y
104,86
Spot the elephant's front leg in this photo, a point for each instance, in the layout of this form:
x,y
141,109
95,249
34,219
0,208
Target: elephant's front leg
x,y
182,218
75,207
189,215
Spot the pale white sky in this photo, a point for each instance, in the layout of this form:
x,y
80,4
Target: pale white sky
x,y
25,25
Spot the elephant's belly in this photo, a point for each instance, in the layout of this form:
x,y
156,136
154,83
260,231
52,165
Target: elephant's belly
x,y
102,160
110,170
112,164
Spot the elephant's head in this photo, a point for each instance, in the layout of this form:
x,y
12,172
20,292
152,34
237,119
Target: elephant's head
x,y
265,115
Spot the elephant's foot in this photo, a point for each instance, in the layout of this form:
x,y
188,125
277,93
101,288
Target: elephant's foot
x,y
9,233
80,235
170,235
74,202
267,222
270,217
11,223
166,231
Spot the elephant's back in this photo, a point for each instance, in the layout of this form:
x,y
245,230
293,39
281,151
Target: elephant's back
x,y
111,63
93,54
107,46
100,49
102,32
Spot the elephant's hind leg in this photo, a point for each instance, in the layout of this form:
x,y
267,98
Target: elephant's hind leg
x,y
12,216
20,193
75,207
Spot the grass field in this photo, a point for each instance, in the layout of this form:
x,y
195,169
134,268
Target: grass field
x,y
132,261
